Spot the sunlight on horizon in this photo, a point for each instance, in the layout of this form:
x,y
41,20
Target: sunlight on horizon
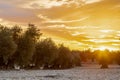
x,y
103,48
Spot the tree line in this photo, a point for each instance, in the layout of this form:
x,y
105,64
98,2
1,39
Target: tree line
x,y
23,48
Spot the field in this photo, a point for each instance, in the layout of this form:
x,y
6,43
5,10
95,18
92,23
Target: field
x,y
86,72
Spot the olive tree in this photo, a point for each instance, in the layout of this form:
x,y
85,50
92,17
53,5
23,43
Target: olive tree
x,y
64,59
26,46
46,53
7,45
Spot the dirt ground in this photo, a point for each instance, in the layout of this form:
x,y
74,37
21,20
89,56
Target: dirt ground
x,y
86,72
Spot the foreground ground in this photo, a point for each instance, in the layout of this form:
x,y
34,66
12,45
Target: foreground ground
x,y
86,72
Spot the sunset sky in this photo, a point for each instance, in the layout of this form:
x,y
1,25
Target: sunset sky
x,y
79,24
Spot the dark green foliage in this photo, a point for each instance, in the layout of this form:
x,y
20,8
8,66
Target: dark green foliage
x,y
7,45
26,46
16,33
46,53
33,32
64,59
24,53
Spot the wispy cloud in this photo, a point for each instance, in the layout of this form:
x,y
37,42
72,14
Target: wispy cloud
x,y
38,4
106,31
63,22
77,33
91,1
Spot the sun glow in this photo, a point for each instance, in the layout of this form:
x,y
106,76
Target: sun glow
x,y
103,48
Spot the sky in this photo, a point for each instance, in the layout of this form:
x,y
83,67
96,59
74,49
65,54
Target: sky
x,y
78,24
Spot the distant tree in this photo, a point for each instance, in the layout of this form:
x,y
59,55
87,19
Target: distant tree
x,y
76,60
7,45
117,57
46,53
103,58
85,55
